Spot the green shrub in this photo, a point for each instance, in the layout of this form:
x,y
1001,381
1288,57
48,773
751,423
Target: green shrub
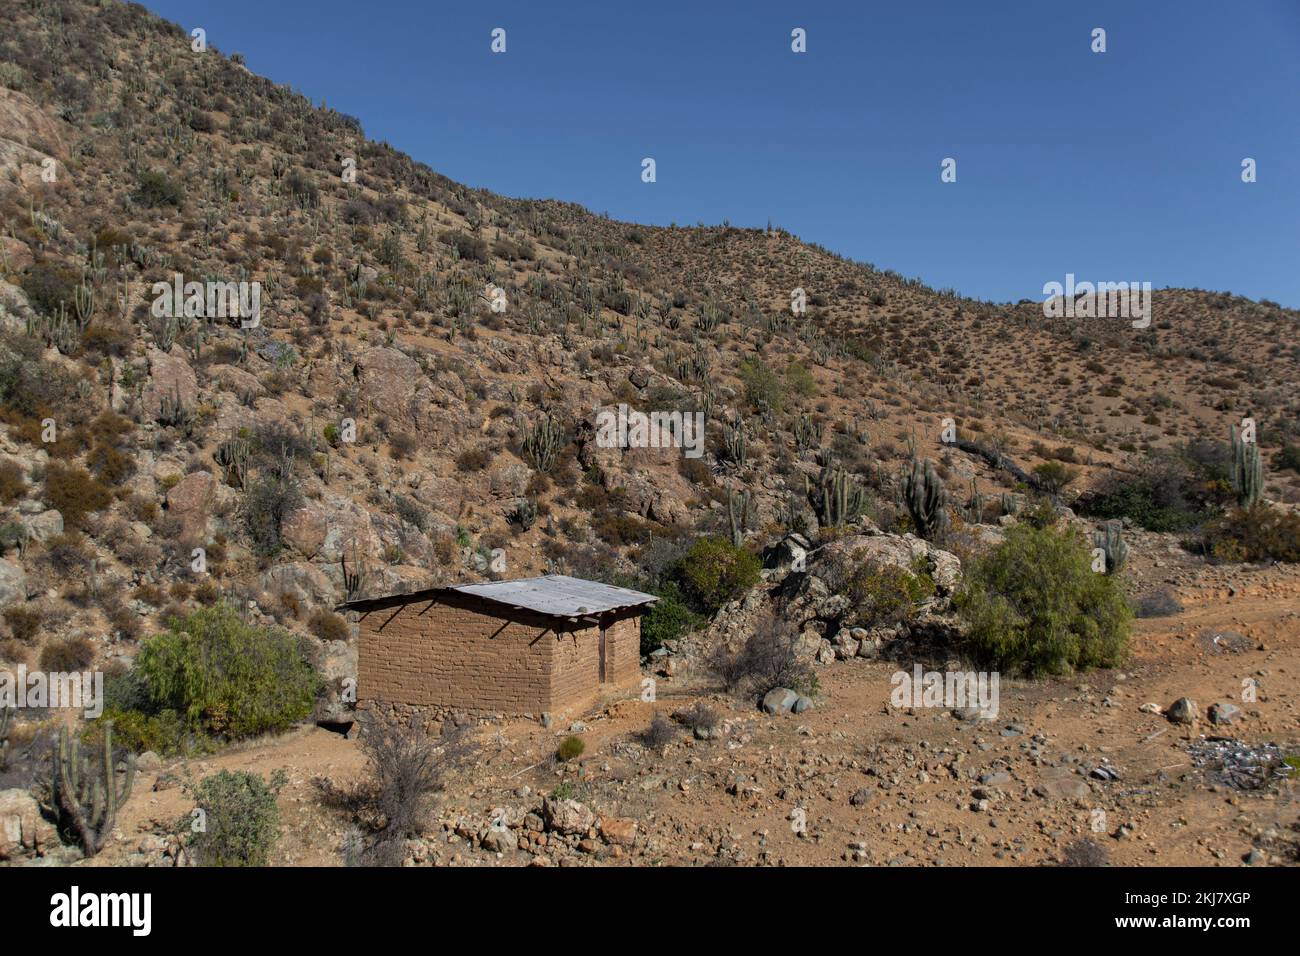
x,y
714,571
155,189
1161,496
470,248
763,387
668,619
1034,605
240,822
1257,533
885,593
268,504
1054,476
164,732
47,287
227,677
800,380
570,748
1287,458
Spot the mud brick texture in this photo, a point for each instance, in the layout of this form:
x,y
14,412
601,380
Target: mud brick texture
x,y
465,654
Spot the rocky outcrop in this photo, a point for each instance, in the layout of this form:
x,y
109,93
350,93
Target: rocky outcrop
x,y
23,831
170,378
189,503
13,583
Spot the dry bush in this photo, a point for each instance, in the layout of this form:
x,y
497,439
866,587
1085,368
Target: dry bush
x,y
1085,852
767,659
67,655
659,734
406,766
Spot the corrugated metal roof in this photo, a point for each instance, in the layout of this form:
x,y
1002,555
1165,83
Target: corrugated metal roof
x,y
558,595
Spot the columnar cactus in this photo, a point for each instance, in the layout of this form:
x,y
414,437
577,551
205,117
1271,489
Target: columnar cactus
x,y
1247,470
543,444
83,298
233,455
926,499
975,507
738,516
86,790
354,578
733,439
837,498
6,723
807,432
1110,539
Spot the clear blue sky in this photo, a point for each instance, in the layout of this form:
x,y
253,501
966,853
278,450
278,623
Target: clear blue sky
x,y
1117,166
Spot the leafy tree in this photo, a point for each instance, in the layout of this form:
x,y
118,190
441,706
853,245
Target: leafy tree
x,y
1035,605
227,677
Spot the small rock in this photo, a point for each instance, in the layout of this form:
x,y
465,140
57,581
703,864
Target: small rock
x,y
779,700
1183,711
1224,712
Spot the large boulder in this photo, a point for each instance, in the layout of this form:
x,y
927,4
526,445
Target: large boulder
x,y
13,583
237,381
305,530
308,583
23,831
170,378
1183,711
45,525
23,121
388,379
189,503
779,700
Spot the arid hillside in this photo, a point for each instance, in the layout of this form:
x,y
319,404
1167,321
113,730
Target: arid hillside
x,y
402,390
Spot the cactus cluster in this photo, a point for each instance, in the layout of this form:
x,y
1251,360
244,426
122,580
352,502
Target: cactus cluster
x,y
173,412
733,441
86,790
837,498
524,514
353,578
233,456
926,499
543,443
738,515
1110,540
807,433
1247,470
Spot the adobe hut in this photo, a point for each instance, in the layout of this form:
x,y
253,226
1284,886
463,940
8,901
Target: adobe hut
x,y
546,644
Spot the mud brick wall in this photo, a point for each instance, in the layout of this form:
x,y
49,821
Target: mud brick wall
x,y
575,670
433,655
623,651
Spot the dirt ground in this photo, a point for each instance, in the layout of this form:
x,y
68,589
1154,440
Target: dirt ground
x,y
866,783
